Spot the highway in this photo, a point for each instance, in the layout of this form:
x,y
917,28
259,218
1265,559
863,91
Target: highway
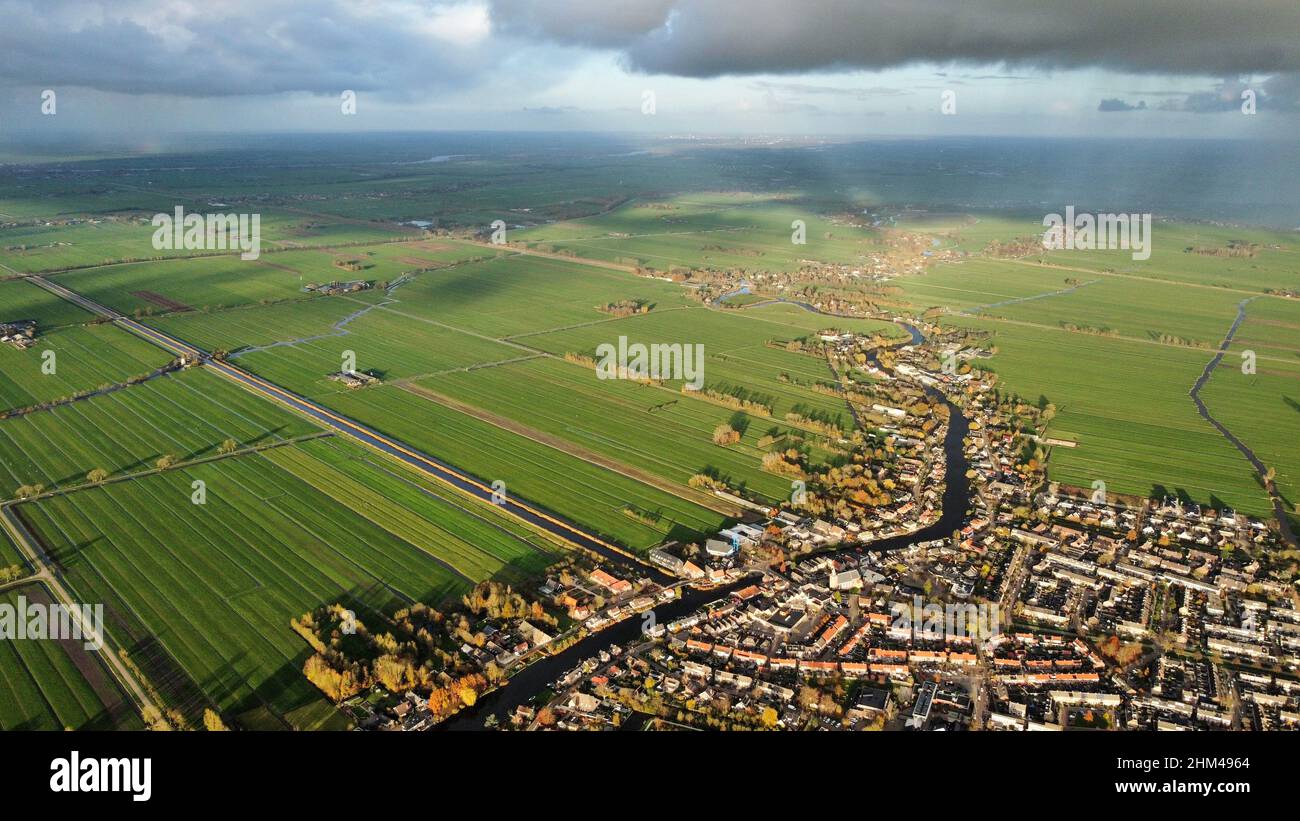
x,y
422,462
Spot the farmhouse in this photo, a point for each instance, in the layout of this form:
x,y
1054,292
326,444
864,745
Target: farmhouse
x,y
354,379
20,334
337,288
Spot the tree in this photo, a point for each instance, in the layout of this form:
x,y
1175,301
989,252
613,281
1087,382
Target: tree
x,y
228,447
212,722
166,461
769,717
96,476
724,434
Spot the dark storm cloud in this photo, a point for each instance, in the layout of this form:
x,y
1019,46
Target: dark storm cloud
x,y
706,38
240,47
402,48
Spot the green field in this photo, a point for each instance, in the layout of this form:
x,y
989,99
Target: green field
x,y
717,230
85,358
95,239
57,685
447,349
1263,409
202,595
186,415
20,299
578,490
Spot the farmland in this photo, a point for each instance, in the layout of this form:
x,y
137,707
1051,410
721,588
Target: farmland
x,y
95,240
215,585
84,358
23,300
423,335
744,231
571,487
186,416
48,685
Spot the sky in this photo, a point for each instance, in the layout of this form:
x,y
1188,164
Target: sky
x,y
1138,68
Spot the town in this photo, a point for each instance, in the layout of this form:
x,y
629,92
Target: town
x,y
1043,608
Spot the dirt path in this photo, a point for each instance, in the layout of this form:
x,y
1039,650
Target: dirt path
x,y
707,500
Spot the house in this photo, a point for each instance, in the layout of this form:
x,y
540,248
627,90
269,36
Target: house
x,y
846,580
613,585
667,561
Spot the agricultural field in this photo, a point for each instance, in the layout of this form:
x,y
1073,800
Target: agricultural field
x,y
214,282
571,487
48,685
80,240
20,299
201,596
9,554
1263,409
737,355
185,415
724,231
518,295
1272,258
85,358
1116,345
1125,403
664,432
391,346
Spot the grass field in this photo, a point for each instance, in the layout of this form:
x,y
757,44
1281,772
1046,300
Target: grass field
x,y
666,433
1263,409
96,239
20,299
719,230
186,415
1125,402
1117,344
215,585
517,295
581,492
57,685
9,554
214,282
444,347
84,358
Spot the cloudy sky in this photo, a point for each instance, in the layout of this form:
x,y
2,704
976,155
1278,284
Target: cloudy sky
x,y
801,67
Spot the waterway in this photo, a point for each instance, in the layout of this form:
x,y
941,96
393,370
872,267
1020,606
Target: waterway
x,y
528,683
1279,509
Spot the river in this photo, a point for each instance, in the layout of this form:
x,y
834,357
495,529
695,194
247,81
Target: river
x,y
1279,509
525,685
